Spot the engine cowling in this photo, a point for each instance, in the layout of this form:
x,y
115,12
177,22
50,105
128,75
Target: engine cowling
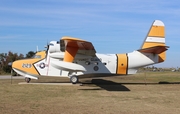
x,y
54,46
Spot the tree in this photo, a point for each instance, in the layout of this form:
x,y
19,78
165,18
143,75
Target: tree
x,y
30,54
5,59
2,59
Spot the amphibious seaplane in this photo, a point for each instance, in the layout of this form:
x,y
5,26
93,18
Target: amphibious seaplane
x,y
74,58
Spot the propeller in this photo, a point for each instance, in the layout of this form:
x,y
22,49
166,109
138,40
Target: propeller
x,y
47,46
37,49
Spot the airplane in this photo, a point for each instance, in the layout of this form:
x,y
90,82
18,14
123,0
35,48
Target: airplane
x,y
73,58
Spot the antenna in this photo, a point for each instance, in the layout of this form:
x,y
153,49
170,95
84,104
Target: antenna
x,y
37,49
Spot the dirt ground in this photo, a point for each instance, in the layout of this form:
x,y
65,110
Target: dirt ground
x,y
124,95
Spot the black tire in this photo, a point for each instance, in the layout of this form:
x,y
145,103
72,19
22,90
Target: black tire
x,y
27,79
74,79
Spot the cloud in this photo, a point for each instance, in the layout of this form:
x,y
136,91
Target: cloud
x,y
84,13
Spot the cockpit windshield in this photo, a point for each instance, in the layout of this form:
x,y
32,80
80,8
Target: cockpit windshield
x,y
51,44
36,57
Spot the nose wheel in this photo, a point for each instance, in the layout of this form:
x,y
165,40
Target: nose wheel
x,y
74,79
27,79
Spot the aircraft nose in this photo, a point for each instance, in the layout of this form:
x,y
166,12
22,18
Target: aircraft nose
x,y
25,66
16,64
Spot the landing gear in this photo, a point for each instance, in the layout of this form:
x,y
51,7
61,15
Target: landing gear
x,y
27,79
74,79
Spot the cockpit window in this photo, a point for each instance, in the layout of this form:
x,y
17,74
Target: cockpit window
x,y
51,44
37,56
62,45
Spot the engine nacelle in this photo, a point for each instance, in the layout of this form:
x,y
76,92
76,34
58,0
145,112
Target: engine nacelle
x,y
54,46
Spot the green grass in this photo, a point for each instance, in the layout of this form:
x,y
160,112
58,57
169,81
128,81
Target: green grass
x,y
127,95
162,76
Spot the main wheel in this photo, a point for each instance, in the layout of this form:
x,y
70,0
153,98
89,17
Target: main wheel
x,y
74,79
27,79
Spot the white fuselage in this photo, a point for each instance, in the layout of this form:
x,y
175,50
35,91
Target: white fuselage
x,y
53,65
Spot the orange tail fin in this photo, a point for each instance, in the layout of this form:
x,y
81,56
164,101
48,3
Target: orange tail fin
x,y
155,40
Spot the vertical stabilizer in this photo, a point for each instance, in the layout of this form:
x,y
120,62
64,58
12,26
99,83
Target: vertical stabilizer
x,y
156,37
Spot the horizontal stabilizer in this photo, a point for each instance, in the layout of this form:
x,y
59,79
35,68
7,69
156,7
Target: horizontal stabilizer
x,y
154,50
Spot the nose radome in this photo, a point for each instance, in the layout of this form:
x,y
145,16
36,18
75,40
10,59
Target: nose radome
x,y
15,64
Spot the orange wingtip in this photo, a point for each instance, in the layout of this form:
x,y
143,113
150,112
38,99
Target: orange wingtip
x,y
72,39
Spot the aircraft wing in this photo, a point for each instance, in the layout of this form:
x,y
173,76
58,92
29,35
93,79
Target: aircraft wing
x,y
154,50
73,46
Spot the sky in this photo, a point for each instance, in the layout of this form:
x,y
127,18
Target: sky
x,y
113,26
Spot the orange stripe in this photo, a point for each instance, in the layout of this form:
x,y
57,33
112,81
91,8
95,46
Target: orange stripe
x,y
122,64
157,31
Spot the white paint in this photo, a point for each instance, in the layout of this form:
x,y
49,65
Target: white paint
x,y
30,76
57,55
54,47
25,74
158,23
132,70
155,39
67,66
138,59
